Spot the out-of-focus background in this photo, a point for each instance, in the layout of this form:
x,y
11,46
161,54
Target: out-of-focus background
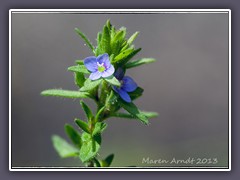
x,y
187,86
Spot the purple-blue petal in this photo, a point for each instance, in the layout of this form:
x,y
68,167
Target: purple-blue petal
x,y
108,72
104,58
91,63
95,75
119,73
128,84
123,94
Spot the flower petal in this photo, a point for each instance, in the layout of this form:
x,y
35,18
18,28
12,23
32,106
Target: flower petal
x,y
104,58
123,94
108,72
119,73
128,84
91,63
95,75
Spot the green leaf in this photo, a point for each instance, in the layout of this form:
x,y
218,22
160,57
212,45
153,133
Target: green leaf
x,y
79,79
112,32
87,110
98,138
65,93
135,94
134,111
79,62
109,159
111,57
99,37
63,148
98,50
97,118
89,84
89,149
112,80
125,56
103,163
83,125
116,47
139,62
111,103
84,37
149,114
79,68
123,115
119,36
99,128
124,46
105,41
130,116
132,38
96,162
73,135
108,24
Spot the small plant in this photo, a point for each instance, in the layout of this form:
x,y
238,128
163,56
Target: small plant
x,y
102,78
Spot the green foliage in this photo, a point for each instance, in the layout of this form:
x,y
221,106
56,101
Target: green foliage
x,y
87,110
114,43
136,94
79,68
132,38
89,84
79,62
130,116
125,56
134,111
89,149
112,80
150,114
139,62
99,128
104,40
109,159
79,79
104,163
73,135
65,93
97,163
117,41
87,142
99,113
83,125
63,148
84,37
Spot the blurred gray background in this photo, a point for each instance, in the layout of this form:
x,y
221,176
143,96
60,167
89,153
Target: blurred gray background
x,y
187,86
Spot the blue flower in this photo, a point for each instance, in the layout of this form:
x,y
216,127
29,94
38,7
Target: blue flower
x,y
99,66
127,85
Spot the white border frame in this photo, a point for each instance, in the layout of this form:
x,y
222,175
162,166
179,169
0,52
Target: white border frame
x,y
137,11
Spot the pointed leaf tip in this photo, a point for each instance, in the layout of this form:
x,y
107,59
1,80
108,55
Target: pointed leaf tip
x,y
83,125
87,110
139,62
109,159
84,37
